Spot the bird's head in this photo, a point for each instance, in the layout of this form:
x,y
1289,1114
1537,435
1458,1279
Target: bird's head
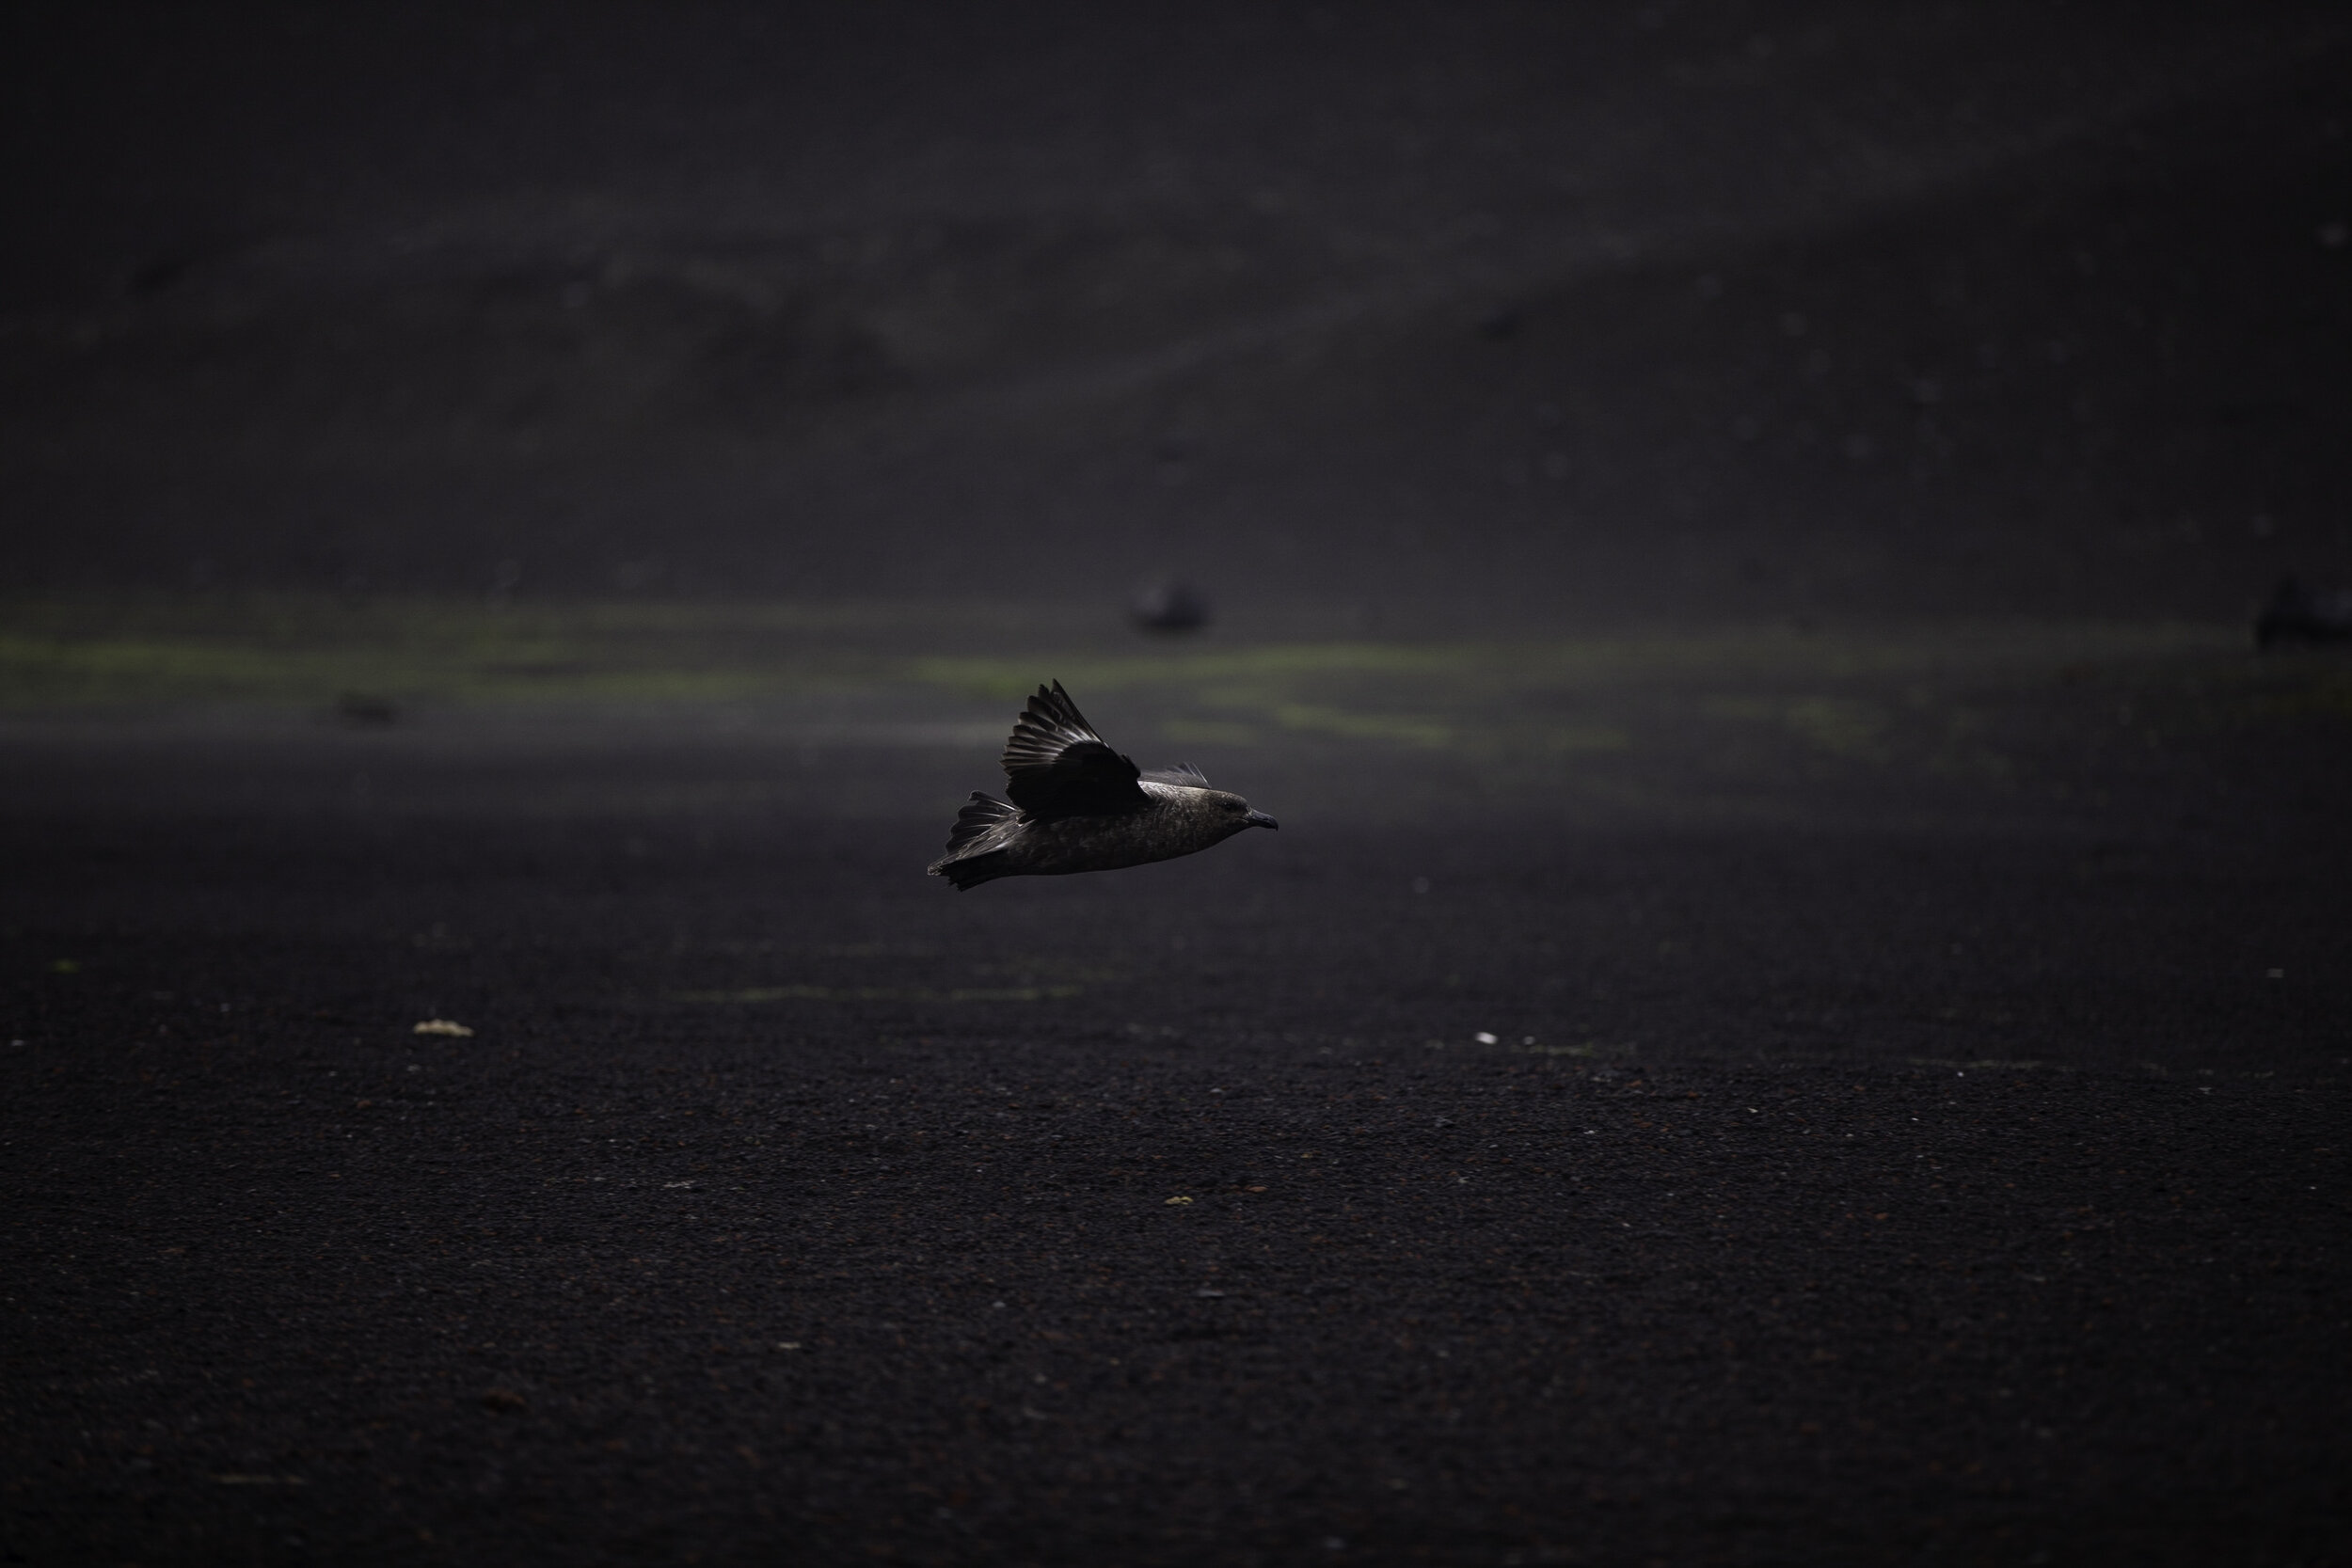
x,y
1234,814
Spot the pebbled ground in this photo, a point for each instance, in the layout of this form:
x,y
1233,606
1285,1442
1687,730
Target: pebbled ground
x,y
1868,1163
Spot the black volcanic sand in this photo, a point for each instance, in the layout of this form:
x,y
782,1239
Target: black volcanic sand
x,y
1902,1138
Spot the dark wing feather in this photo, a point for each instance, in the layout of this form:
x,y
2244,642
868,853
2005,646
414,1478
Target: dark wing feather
x,y
1179,773
978,815
1058,767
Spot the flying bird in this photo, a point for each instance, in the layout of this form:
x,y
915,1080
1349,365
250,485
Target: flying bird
x,y
1077,805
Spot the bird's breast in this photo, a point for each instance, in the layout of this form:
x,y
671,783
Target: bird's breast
x,y
1161,830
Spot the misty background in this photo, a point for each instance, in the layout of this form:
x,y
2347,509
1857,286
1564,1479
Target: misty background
x,y
1388,317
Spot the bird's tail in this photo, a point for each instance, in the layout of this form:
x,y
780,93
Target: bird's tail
x,y
972,870
979,813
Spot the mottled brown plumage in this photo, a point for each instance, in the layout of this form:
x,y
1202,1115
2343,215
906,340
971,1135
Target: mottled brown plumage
x,y
1077,805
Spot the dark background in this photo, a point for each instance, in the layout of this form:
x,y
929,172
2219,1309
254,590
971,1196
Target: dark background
x,y
1798,1011
1524,309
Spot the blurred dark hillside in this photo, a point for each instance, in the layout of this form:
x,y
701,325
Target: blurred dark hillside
x,y
1506,311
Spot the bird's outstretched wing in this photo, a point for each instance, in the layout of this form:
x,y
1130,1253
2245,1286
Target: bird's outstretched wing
x,y
979,813
1181,773
1058,767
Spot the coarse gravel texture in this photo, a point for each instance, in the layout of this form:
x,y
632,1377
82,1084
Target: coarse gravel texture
x,y
1862,1168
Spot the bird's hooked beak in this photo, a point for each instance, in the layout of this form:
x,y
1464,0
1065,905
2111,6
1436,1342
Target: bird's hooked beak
x,y
1260,819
